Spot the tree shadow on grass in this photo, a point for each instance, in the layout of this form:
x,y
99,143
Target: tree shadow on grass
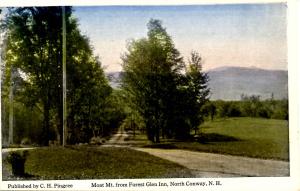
x,y
206,138
203,138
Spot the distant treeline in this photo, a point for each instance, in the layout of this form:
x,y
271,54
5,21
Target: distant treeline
x,y
248,106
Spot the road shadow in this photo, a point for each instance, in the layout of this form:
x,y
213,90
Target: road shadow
x,y
161,146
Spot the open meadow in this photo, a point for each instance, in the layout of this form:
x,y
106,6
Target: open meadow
x,y
251,137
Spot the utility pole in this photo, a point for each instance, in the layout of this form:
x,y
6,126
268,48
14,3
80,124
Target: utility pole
x,y
11,108
65,131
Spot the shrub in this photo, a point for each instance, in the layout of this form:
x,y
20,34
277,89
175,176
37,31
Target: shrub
x,y
229,109
264,112
17,161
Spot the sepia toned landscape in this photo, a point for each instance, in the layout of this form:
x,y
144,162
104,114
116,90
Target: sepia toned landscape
x,y
135,92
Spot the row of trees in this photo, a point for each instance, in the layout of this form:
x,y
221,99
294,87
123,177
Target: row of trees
x,y
248,106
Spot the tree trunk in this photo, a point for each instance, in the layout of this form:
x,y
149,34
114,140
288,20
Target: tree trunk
x,y
46,125
60,125
157,134
11,115
150,133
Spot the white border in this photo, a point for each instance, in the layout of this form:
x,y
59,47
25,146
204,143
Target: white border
x,y
286,183
17,3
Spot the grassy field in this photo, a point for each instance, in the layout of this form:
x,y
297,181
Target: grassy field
x,y
243,136
252,137
98,163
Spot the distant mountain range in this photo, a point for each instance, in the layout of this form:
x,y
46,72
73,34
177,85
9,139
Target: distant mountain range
x,y
229,83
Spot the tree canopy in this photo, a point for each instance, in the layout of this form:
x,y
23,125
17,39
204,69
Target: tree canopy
x,y
158,88
162,93
34,50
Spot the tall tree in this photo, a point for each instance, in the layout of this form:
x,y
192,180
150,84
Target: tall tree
x,y
197,91
151,66
34,47
168,99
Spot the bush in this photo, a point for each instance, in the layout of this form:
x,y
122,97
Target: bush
x,y
264,112
17,161
229,109
234,111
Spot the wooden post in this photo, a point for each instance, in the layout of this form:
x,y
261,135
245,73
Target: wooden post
x,y
11,109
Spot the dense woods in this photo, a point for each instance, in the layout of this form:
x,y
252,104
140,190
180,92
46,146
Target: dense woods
x,y
33,75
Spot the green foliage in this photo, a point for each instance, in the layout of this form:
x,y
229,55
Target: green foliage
x,y
168,100
228,108
115,109
88,93
133,122
150,68
34,49
209,109
27,122
196,92
253,107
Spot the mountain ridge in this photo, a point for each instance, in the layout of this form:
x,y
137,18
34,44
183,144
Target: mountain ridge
x,y
242,68
230,82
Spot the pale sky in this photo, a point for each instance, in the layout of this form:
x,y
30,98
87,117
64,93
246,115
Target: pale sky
x,y
248,35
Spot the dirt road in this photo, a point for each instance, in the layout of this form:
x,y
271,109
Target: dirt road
x,y
217,165
117,139
212,165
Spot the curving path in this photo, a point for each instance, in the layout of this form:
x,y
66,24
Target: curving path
x,y
210,165
117,139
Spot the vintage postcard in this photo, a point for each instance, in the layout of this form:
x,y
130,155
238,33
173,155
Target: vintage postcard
x,y
149,95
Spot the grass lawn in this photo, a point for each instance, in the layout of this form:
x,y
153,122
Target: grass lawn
x,y
252,137
98,163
